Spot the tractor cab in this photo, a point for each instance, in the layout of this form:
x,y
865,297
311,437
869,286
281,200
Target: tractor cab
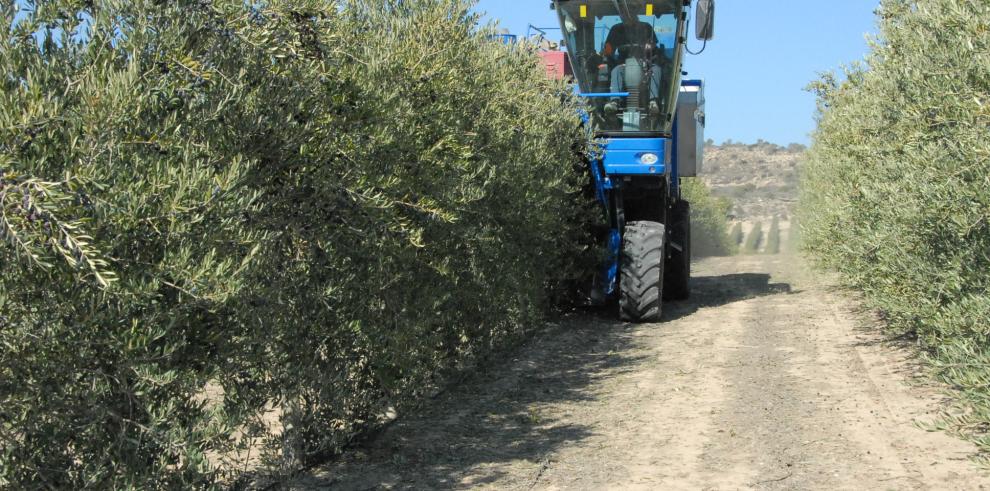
x,y
626,57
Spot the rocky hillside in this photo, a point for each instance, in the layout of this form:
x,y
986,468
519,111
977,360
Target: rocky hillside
x,y
760,180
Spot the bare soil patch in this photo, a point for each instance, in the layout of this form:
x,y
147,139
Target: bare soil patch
x,y
765,379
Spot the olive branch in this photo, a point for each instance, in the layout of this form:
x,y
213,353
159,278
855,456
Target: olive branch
x,y
32,223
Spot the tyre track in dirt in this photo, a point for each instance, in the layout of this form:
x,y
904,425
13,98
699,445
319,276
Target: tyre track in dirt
x,y
765,379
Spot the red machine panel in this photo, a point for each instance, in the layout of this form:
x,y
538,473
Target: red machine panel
x,y
557,63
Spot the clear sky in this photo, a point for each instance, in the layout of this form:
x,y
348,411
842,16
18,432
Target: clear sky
x,y
764,53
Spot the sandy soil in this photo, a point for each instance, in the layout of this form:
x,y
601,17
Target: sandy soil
x,y
765,379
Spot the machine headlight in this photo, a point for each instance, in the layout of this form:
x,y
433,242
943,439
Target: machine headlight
x,y
649,158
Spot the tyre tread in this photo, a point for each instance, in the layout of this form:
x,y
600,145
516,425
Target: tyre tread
x,y
642,268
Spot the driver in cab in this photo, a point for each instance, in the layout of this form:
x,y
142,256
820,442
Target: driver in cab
x,y
631,32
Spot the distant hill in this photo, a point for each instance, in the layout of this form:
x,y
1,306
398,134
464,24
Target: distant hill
x,y
760,180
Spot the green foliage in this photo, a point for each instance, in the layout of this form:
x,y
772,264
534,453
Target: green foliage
x,y
753,240
895,190
708,220
736,236
236,234
794,235
773,237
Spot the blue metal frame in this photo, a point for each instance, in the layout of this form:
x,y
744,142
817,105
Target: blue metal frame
x,y
541,30
604,95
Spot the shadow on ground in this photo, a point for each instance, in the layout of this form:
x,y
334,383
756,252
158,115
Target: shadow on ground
x,y
500,424
496,419
716,291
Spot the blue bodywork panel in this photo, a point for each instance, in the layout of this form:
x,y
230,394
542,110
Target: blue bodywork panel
x,y
635,156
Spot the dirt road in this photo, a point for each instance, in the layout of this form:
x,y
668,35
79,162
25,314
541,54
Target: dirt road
x,y
765,379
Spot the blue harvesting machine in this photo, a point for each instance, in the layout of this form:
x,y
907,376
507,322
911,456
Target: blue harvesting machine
x,y
626,58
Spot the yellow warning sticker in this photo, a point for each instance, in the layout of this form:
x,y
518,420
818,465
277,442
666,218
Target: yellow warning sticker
x,y
584,11
649,9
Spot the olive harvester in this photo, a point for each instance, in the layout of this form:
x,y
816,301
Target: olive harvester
x,y
626,58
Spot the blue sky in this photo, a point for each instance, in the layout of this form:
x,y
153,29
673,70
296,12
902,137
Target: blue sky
x,y
764,53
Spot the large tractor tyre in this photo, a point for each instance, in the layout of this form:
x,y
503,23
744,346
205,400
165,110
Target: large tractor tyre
x,y
641,272
677,283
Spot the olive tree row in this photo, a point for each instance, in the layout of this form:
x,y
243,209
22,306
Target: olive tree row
x,y
236,234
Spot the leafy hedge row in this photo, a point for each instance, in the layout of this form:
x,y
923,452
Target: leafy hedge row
x,y
709,220
895,192
235,234
773,237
